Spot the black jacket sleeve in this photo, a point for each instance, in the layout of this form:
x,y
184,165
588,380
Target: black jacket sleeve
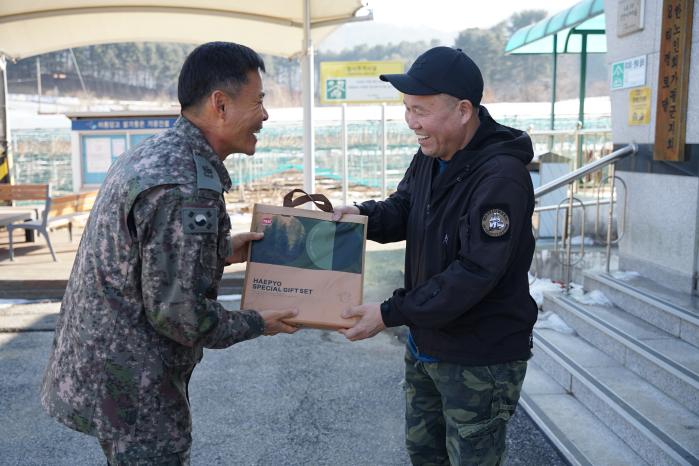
x,y
388,218
481,262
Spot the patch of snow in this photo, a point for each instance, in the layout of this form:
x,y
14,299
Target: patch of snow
x,y
594,297
625,275
551,320
587,241
5,303
229,297
540,286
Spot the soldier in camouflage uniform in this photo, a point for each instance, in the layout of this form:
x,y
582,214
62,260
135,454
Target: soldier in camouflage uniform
x,y
464,209
140,304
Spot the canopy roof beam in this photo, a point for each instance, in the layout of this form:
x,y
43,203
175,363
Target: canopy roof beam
x,y
62,12
29,28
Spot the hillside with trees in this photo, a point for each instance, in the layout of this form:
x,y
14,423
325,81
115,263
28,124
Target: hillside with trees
x,y
148,71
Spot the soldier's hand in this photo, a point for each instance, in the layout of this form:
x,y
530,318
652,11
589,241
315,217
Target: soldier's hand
x,y
274,321
338,212
370,322
240,243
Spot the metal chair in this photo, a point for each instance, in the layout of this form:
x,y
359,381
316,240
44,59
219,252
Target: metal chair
x,y
52,217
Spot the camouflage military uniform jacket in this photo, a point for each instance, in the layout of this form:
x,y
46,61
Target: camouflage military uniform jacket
x,y
141,300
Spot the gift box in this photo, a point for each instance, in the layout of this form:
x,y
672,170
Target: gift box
x,y
306,261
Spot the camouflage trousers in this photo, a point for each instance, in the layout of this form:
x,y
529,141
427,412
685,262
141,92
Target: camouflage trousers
x,y
456,414
117,455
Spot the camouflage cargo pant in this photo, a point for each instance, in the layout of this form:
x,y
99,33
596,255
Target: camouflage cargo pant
x,y
118,454
457,414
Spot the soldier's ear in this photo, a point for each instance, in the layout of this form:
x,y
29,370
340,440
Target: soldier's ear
x,y
217,102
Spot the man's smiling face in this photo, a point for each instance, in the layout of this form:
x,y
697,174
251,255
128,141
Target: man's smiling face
x,y
245,114
438,122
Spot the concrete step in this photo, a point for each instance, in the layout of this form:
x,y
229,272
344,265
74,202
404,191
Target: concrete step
x,y
580,437
658,428
665,361
676,313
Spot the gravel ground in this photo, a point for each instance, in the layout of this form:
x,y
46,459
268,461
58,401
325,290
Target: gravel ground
x,y
309,398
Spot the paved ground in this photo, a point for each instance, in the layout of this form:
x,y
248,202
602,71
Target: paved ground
x,y
309,398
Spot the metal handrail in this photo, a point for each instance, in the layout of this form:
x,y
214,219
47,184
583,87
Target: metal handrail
x,y
571,177
567,132
568,218
589,168
547,208
621,229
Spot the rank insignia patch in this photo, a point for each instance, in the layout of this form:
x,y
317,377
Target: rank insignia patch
x,y
495,223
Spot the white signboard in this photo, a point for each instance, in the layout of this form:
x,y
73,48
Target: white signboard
x,y
629,17
629,73
360,89
98,154
358,82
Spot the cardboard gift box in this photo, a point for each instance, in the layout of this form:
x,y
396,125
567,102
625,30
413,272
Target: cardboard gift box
x,y
306,261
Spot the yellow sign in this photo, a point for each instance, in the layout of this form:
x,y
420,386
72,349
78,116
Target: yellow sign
x,y
358,82
639,106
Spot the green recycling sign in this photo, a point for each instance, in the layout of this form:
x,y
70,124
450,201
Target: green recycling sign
x,y
618,75
629,73
336,89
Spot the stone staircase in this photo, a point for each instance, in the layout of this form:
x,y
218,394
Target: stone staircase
x,y
624,389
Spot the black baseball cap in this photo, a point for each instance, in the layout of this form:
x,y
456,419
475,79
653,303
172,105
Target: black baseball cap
x,y
441,70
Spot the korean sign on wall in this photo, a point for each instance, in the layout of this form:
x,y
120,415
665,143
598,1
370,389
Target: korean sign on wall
x,y
639,106
629,73
629,17
673,80
102,140
358,82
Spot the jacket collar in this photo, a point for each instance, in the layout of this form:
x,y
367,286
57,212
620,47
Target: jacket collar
x,y
465,160
200,146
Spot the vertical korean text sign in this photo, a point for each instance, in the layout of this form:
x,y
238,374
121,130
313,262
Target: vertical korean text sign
x,y
673,80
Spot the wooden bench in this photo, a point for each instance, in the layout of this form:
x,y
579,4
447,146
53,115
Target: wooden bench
x,y
12,213
23,192
11,193
59,212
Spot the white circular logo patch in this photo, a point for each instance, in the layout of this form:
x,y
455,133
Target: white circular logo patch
x,y
495,223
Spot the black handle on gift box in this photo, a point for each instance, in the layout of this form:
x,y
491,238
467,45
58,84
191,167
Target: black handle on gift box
x,y
319,200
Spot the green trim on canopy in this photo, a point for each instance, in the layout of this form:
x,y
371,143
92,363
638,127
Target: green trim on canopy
x,y
584,17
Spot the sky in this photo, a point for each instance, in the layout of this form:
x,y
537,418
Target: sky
x,y
412,21
456,15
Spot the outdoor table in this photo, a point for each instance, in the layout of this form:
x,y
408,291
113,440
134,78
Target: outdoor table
x,y
7,218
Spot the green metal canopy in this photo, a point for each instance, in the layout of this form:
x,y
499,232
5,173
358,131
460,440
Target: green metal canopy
x,y
563,32
578,29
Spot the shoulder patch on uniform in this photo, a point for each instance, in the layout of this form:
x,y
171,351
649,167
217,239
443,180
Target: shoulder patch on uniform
x,y
495,222
207,178
198,220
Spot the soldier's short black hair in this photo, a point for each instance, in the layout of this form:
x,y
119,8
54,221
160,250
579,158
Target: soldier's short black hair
x,y
215,65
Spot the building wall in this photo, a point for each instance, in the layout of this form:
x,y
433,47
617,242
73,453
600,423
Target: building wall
x,y
662,234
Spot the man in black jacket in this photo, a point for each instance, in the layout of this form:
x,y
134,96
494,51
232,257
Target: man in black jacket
x,y
464,208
